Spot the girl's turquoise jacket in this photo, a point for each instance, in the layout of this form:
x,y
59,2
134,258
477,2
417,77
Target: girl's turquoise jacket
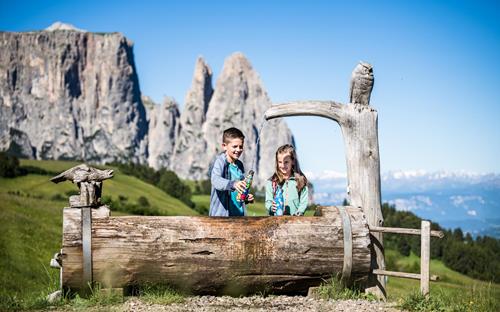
x,y
294,204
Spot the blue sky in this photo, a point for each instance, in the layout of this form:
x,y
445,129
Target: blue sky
x,y
434,65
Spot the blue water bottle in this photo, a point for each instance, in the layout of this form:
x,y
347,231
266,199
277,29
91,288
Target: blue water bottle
x,y
278,199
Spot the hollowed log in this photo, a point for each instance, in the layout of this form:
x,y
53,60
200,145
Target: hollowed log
x,y
209,255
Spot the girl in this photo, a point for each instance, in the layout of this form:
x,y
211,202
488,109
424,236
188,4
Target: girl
x,y
288,178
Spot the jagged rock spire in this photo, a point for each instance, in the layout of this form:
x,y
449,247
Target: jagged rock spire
x,y
190,145
163,125
240,101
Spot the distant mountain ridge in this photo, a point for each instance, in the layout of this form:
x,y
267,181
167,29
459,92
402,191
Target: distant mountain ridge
x,y
74,95
453,199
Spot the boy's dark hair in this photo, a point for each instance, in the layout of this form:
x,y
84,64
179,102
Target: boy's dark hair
x,y
232,133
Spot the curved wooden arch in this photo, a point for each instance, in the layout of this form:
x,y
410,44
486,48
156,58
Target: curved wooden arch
x,y
359,125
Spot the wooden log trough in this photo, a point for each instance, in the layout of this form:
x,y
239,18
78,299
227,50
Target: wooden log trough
x,y
209,255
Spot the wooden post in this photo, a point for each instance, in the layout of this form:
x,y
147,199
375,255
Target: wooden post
x,y
89,181
425,253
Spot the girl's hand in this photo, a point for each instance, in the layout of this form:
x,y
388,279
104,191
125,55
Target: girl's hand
x,y
273,207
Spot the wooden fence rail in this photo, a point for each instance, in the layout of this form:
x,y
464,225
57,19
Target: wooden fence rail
x,y
425,251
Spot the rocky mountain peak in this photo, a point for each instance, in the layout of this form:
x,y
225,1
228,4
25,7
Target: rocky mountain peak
x,y
237,63
70,95
63,26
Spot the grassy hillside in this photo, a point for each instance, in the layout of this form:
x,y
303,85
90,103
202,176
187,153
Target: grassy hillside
x,y
454,291
31,223
120,185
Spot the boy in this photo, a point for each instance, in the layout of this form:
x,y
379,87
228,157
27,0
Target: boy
x,y
227,175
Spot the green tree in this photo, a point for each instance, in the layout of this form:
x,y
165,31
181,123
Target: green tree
x,y
9,165
172,185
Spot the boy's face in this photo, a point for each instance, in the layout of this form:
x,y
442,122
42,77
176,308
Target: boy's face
x,y
233,149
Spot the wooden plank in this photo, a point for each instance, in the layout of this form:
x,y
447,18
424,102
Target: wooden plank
x,y
425,257
383,229
403,275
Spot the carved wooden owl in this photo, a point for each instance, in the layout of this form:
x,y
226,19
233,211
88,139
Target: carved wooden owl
x,y
361,83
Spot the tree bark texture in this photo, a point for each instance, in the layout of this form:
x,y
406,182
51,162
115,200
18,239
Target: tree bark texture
x,y
209,255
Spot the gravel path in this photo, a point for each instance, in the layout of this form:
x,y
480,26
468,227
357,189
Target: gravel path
x,y
272,303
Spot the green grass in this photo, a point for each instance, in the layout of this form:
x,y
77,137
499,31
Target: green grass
x,y
334,289
453,291
31,234
160,294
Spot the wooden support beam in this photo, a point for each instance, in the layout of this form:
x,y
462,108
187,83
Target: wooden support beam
x,y
381,229
86,246
425,257
403,274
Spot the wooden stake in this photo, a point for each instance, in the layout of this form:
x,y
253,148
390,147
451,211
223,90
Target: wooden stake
x,y
425,252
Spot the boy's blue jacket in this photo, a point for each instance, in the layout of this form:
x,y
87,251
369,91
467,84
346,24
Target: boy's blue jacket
x,y
220,194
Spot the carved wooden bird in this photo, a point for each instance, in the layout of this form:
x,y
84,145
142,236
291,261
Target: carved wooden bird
x,y
83,173
361,83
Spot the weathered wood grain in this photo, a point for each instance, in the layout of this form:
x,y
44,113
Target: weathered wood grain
x,y
382,229
208,255
425,257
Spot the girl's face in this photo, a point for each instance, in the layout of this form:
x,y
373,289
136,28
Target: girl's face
x,y
285,164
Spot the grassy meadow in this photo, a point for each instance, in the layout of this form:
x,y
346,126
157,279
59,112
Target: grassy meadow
x,y
31,224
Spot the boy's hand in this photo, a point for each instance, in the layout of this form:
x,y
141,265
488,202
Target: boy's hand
x,y
250,198
240,186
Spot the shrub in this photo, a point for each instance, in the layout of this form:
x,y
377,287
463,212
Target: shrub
x,y
9,165
143,201
172,185
335,289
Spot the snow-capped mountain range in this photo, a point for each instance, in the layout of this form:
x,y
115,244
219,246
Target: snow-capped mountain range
x,y
462,199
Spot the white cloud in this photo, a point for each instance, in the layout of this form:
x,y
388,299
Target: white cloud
x,y
472,212
465,201
412,203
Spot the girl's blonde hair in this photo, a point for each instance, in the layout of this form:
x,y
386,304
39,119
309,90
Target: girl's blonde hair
x,y
277,177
